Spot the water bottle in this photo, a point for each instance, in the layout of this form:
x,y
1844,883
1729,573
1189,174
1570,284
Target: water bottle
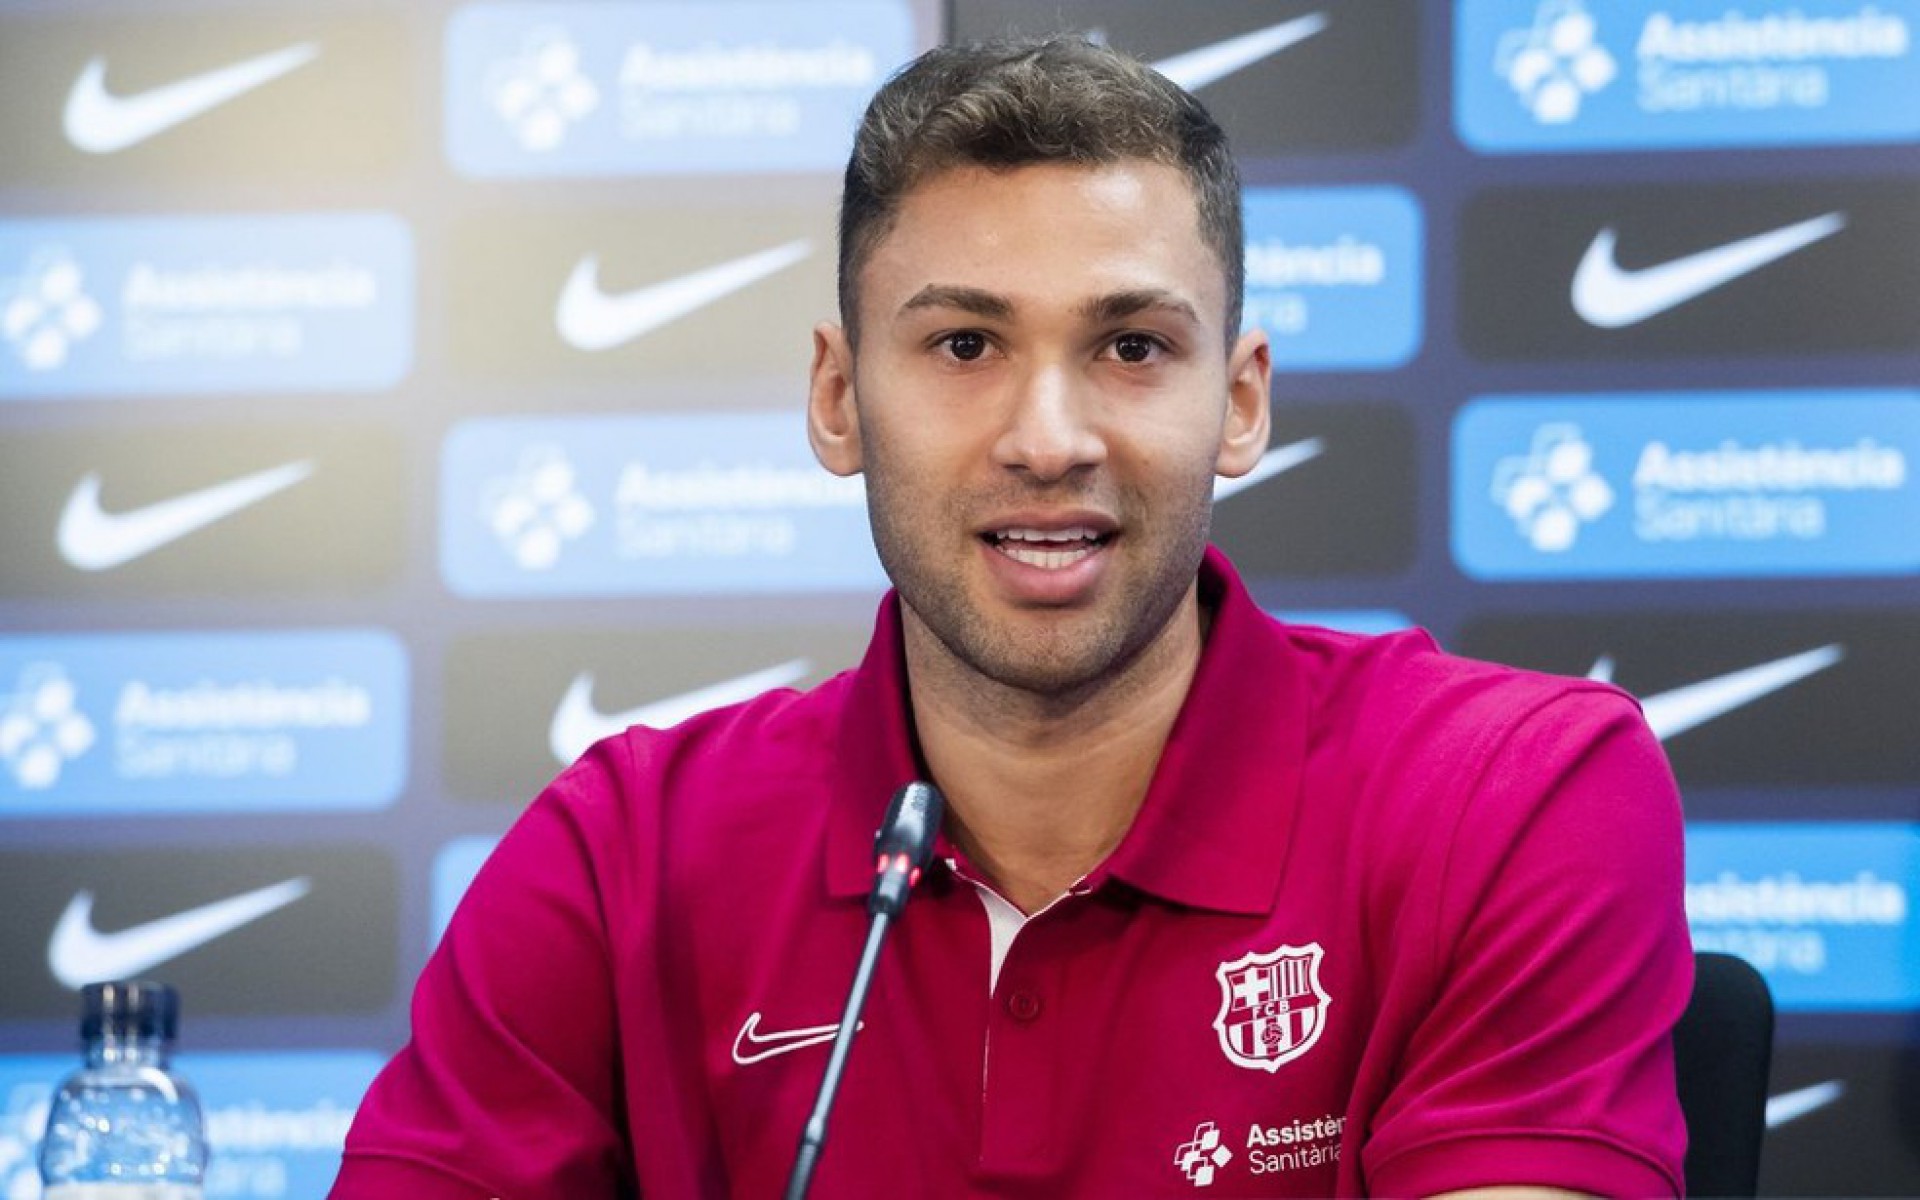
x,y
124,1127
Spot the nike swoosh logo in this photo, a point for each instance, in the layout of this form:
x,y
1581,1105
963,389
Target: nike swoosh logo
x,y
1196,69
770,1045
1611,298
79,954
1272,463
91,539
590,319
1674,712
1791,1106
577,724
99,122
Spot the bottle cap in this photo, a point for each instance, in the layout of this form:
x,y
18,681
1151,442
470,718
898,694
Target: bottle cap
x,y
130,1008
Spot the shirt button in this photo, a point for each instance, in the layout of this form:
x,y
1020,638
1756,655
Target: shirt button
x,y
1024,1006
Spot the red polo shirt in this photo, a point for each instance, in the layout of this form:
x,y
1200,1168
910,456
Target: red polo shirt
x,y
1389,922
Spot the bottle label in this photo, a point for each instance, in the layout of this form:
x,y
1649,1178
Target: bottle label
x,y
123,1191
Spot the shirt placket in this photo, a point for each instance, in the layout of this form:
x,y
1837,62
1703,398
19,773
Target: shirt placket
x,y
1021,1083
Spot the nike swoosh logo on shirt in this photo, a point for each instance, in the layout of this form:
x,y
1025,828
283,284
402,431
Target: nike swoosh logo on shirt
x,y
577,724
1674,712
1611,298
770,1045
590,319
1195,69
1272,463
1791,1106
92,539
79,954
99,122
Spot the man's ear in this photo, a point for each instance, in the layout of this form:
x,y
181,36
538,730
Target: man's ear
x,y
833,413
1249,424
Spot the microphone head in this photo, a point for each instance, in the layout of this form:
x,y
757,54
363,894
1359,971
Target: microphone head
x,y
912,820
904,845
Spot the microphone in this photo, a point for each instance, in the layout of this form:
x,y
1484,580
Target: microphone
x,y
903,846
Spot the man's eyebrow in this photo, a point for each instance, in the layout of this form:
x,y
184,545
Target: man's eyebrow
x,y
972,300
1117,306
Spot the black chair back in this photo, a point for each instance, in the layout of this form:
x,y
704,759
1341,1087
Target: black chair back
x,y
1722,1049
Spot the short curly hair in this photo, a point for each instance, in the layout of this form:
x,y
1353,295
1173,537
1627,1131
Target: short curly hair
x,y
1009,104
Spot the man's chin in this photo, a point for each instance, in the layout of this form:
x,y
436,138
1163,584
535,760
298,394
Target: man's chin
x,y
1054,663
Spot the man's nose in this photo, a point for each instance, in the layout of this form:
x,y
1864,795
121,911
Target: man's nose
x,y
1052,424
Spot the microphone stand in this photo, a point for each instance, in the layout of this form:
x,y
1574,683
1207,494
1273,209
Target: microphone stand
x,y
905,844
814,1136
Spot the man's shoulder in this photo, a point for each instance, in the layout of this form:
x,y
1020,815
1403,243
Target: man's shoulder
x,y
1406,676
760,723
1397,710
782,742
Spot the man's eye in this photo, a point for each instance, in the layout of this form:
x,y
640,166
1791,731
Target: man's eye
x,y
966,346
1134,347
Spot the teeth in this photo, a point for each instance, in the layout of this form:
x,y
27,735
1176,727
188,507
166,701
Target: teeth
x,y
1048,549
1050,560
1047,535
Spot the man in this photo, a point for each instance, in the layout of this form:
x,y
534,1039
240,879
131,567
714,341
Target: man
x,y
1219,903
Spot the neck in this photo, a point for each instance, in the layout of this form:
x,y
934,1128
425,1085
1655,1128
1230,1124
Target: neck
x,y
1041,788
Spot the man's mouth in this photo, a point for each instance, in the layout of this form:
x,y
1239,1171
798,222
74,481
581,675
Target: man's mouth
x,y
1047,549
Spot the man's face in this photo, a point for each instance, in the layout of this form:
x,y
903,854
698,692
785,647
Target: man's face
x,y
1041,400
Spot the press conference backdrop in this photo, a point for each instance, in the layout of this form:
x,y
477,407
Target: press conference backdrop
x,y
396,397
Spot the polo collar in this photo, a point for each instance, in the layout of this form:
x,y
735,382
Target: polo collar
x,y
878,754
1214,829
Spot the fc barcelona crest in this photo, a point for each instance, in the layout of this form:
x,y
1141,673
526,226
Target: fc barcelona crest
x,y
1272,1007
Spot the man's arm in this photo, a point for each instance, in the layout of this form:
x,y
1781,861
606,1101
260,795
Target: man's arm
x,y
1561,961
509,1085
